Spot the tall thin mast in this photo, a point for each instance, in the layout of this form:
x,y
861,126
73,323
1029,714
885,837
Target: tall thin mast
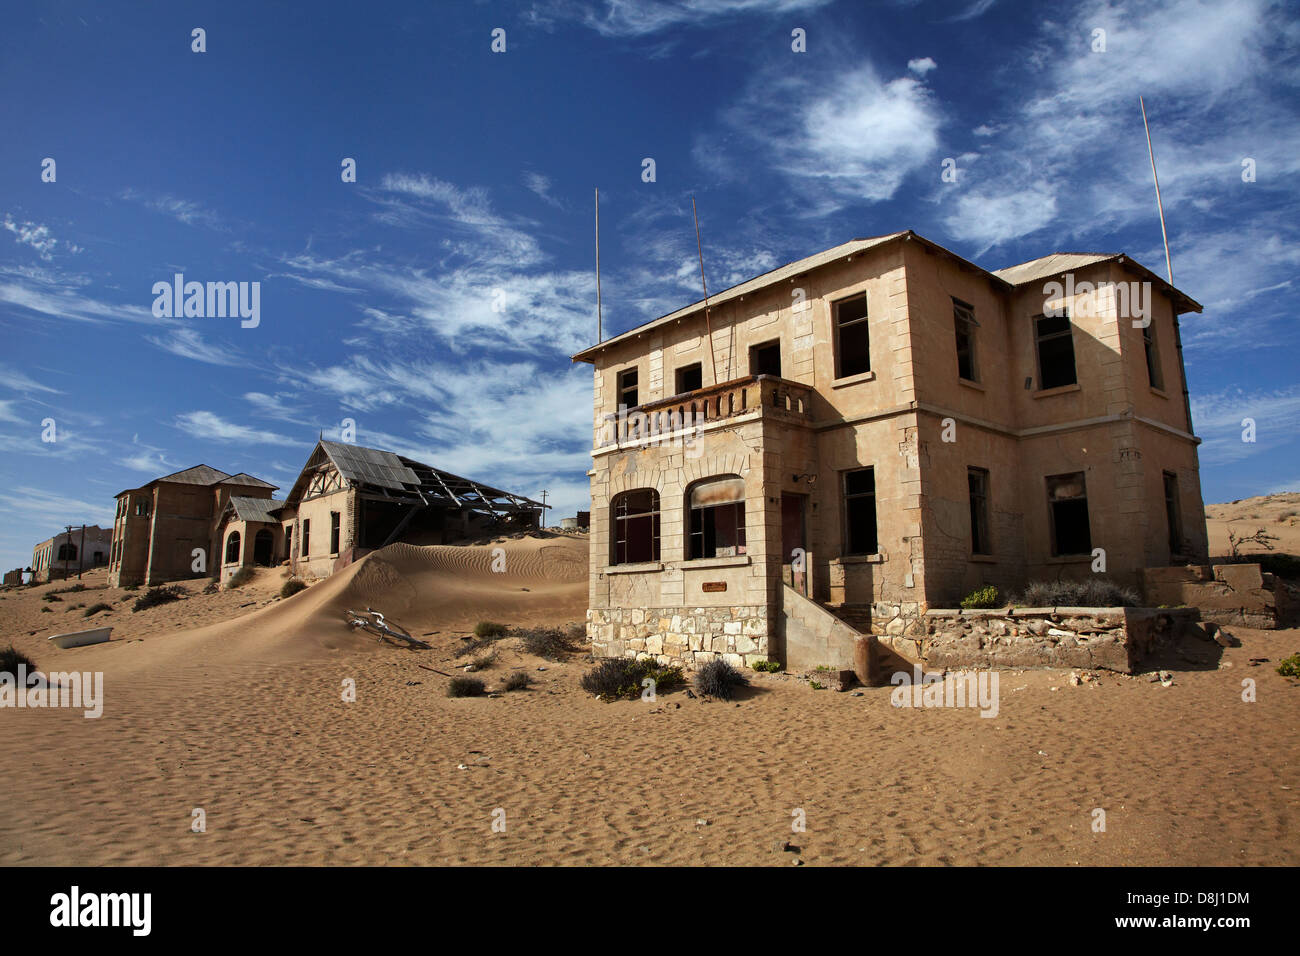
x,y
599,318
1159,203
708,324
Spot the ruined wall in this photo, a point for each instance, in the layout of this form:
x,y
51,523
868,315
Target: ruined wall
x,y
1225,593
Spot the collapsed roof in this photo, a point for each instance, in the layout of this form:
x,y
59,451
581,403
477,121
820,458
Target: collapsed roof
x,y
385,475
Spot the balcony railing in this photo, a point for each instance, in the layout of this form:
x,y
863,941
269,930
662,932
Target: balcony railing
x,y
769,394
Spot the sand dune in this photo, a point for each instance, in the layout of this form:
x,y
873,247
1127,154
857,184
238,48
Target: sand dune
x,y
243,719
1277,515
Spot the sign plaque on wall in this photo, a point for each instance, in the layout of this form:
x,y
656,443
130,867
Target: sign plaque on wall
x,y
712,586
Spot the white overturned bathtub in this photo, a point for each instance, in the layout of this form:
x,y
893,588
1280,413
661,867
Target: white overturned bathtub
x,y
96,635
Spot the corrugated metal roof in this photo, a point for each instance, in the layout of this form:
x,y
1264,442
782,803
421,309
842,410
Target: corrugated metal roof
x,y
255,509
788,271
370,466
1046,266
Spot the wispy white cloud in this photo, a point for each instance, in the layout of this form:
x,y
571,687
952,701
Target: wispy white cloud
x,y
187,211
540,186
38,238
1219,418
212,427
189,343
639,18
922,65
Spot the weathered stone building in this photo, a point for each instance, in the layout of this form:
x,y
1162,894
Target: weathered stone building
x,y
67,554
160,525
349,500
879,429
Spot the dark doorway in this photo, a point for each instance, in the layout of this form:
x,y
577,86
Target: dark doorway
x,y
794,547
263,548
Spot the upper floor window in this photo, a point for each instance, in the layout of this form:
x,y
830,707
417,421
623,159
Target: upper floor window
x,y
963,318
1154,377
765,359
860,512
627,393
689,378
142,507
717,518
636,526
1055,351
1067,499
852,337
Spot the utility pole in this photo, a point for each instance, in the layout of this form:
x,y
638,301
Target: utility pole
x,y
67,544
81,554
544,507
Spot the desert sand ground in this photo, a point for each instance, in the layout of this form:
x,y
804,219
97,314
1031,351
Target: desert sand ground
x,y
232,703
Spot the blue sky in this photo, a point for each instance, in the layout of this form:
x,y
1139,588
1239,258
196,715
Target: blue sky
x,y
474,186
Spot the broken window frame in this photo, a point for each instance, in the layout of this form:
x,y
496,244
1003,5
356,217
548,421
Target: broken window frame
x,y
757,360
1173,513
964,326
1056,504
628,394
233,543
624,548
695,371
1065,335
853,502
1152,353
977,485
705,522
863,355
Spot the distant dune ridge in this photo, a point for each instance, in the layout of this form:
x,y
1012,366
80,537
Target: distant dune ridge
x,y
1277,514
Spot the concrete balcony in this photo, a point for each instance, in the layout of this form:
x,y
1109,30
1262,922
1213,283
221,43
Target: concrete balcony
x,y
767,396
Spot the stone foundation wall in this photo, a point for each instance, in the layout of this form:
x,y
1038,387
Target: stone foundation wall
x,y
687,636
1115,639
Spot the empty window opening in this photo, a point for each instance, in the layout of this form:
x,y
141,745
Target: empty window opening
x,y
860,512
977,479
963,317
1055,352
636,526
306,535
1153,357
1173,514
690,378
67,552
717,518
334,532
232,548
852,337
765,359
627,394
1067,498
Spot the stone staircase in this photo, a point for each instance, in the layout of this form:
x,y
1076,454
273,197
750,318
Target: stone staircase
x,y
856,616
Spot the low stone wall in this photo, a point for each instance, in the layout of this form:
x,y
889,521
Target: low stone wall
x,y
813,636
1241,594
1116,639
688,636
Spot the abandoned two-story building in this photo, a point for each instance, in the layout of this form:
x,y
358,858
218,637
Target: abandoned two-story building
x,y
879,429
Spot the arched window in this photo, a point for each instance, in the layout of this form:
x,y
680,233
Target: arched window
x,y
636,526
232,548
717,517
67,552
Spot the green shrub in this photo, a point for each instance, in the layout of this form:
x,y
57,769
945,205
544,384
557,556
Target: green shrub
x,y
292,587
465,687
159,595
10,658
489,629
717,678
96,608
1290,666
617,678
518,680
767,667
981,598
241,577
1095,592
